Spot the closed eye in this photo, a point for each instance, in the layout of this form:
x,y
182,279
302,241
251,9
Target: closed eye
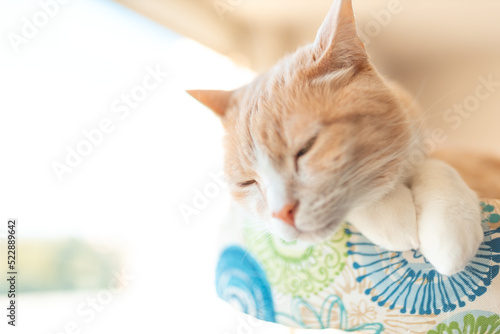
x,y
306,148
246,183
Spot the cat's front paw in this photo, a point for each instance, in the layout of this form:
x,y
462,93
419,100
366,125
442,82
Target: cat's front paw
x,y
450,234
390,223
448,217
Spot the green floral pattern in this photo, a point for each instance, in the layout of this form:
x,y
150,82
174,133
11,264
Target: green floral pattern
x,y
470,324
296,268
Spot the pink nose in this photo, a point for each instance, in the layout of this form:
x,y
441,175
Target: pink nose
x,y
287,214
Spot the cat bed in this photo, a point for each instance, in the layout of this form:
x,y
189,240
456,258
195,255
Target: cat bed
x,y
349,283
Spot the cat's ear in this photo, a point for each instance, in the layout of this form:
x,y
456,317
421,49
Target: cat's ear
x,y
337,43
217,100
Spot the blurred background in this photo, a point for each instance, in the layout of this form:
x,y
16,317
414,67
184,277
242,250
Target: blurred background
x,y
113,171
436,48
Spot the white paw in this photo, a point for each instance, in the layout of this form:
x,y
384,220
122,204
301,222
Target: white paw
x,y
390,223
451,235
448,216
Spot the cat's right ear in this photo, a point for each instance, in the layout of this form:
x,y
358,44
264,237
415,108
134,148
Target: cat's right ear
x,y
217,100
337,43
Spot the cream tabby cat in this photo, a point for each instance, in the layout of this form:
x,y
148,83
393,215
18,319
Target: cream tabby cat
x,y
322,138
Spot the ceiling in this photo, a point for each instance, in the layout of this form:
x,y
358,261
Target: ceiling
x,y
257,32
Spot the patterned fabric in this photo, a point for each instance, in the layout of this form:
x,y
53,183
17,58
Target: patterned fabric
x,y
351,284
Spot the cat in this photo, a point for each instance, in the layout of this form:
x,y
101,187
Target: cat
x,y
322,138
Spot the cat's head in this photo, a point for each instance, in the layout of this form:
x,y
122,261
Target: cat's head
x,y
314,137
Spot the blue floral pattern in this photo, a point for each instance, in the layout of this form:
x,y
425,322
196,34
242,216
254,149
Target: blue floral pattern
x,y
406,280
240,280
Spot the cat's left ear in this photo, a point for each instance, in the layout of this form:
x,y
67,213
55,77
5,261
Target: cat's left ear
x,y
217,100
337,43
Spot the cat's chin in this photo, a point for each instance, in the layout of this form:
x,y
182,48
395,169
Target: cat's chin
x,y
283,231
289,233
320,235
